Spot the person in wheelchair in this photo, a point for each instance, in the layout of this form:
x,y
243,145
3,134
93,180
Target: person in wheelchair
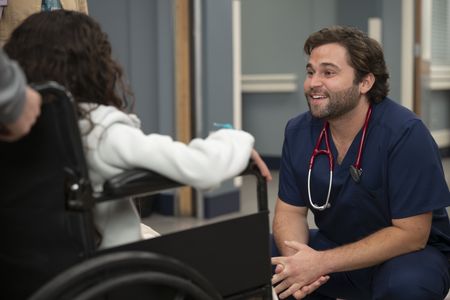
x,y
70,48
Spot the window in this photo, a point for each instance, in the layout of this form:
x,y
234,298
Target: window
x,y
436,42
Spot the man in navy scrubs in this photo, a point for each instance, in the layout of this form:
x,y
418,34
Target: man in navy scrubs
x,y
371,173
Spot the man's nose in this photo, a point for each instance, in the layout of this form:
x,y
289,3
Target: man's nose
x,y
315,80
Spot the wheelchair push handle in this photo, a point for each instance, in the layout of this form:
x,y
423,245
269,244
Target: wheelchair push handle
x,y
51,87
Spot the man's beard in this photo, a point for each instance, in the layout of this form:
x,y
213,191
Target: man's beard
x,y
339,103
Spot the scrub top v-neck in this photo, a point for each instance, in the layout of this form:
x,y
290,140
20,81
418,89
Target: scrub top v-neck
x,y
402,176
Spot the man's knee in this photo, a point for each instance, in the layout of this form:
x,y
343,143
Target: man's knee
x,y
408,287
419,275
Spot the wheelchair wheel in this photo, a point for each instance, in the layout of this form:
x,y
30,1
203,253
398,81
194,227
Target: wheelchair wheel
x,y
131,274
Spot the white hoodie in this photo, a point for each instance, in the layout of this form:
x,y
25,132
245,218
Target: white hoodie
x,y
113,143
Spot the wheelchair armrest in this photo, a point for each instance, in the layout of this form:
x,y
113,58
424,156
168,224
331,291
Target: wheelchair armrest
x,y
140,182
137,182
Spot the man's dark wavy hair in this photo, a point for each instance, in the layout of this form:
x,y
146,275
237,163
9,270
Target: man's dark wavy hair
x,y
365,55
70,48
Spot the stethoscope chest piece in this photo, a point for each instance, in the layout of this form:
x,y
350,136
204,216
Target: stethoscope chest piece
x,y
355,173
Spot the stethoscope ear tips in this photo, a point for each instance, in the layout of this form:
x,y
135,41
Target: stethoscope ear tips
x,y
355,173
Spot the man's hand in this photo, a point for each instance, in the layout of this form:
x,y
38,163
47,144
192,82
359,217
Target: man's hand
x,y
298,275
31,110
300,293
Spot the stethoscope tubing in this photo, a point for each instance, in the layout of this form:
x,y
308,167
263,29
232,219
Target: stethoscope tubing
x,y
356,166
363,139
327,202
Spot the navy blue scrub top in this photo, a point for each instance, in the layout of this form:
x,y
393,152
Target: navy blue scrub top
x,y
402,176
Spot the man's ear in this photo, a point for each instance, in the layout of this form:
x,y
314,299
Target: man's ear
x,y
366,83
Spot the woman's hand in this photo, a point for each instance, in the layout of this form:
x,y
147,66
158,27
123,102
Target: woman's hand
x,y
261,165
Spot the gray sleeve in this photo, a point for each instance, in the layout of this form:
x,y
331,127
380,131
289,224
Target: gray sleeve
x,y
12,89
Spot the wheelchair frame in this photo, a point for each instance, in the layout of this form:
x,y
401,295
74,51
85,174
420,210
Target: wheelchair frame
x,y
233,255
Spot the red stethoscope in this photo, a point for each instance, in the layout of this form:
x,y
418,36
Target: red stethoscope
x,y
355,169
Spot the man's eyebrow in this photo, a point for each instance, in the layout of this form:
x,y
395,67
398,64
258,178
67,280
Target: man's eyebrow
x,y
324,64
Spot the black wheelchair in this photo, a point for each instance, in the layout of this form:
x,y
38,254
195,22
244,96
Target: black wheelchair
x,y
49,240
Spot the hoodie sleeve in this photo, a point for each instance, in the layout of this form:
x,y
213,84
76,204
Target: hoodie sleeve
x,y
203,163
12,89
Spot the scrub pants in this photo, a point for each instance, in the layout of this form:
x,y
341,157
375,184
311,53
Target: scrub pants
x,y
420,275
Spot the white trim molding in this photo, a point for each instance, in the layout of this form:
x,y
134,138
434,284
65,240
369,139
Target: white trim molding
x,y
407,60
439,77
237,72
375,29
442,137
269,83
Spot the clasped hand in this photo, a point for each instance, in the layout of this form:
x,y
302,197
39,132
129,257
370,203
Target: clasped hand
x,y
297,275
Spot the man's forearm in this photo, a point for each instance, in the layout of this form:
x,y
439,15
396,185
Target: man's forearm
x,y
289,225
378,247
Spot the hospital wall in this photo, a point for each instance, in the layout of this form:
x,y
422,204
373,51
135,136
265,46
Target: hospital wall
x,y
141,34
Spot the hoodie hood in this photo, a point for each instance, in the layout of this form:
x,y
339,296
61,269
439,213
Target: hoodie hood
x,y
100,118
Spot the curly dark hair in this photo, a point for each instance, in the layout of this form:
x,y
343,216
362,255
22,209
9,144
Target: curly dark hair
x,y
70,48
365,55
